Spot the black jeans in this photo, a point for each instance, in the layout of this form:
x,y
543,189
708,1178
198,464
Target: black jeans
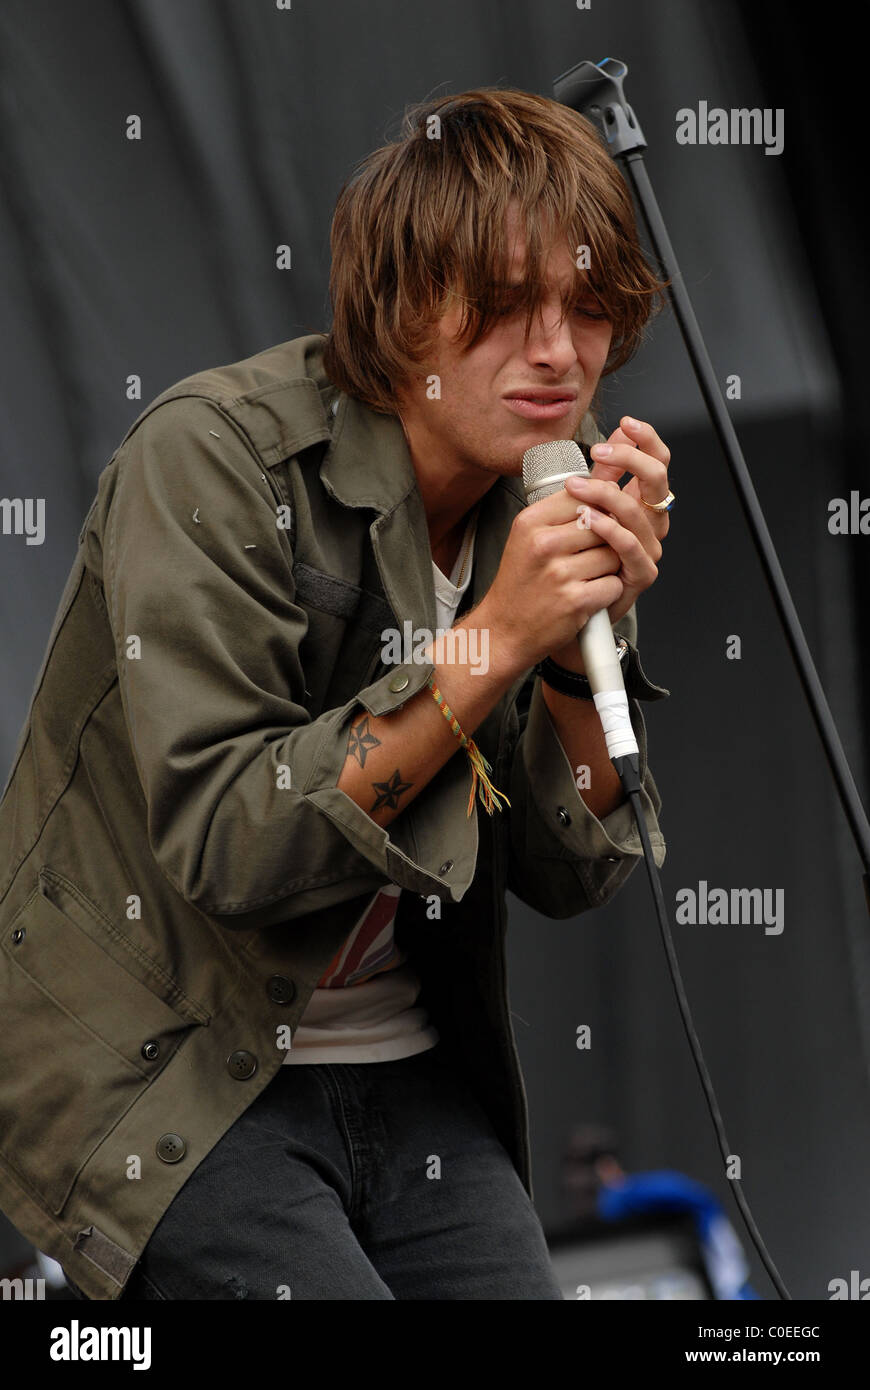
x,y
348,1181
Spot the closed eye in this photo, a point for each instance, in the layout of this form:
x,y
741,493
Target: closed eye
x,y
589,311
512,300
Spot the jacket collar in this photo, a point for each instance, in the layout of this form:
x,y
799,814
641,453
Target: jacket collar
x,y
368,464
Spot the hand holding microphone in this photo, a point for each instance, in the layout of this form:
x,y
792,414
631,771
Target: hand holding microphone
x,y
547,468
575,566
553,575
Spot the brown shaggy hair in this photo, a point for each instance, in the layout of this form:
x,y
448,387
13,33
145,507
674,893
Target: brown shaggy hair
x,y
422,218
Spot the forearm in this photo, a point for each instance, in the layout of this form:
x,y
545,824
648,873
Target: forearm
x,y
392,757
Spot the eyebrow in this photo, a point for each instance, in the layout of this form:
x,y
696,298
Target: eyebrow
x,y
501,286
508,284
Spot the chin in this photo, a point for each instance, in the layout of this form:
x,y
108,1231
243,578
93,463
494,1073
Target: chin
x,y
545,433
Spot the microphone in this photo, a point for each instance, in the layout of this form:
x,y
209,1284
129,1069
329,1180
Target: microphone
x,y
546,467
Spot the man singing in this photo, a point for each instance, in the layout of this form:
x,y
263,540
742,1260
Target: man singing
x,y
289,748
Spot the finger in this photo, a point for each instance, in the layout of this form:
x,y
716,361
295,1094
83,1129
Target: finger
x,y
561,508
638,569
593,564
628,510
573,536
576,536
660,521
651,472
599,594
608,462
554,510
644,436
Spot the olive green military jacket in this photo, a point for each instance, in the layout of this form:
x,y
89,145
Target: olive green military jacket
x,y
167,901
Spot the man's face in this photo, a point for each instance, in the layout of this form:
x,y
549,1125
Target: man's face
x,y
484,420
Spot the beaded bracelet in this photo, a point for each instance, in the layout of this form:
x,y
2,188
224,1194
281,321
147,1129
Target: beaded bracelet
x,y
479,765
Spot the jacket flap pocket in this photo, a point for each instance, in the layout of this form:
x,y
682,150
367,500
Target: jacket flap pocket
x,y
83,1037
66,952
70,900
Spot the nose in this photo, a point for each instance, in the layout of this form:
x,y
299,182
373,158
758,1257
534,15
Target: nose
x,y
550,342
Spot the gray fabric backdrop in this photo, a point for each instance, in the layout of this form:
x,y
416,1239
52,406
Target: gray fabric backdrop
x,y
157,257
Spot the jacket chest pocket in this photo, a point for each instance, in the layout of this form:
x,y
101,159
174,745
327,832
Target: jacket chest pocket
x,y
342,647
83,1036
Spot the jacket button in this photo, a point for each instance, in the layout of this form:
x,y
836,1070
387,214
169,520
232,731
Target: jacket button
x,y
446,866
150,1051
399,681
611,859
563,816
281,990
18,936
241,1065
171,1147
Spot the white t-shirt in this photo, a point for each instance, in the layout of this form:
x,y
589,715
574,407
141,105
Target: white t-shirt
x,y
364,1008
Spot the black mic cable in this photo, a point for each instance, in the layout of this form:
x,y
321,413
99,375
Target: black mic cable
x,y
545,469
629,775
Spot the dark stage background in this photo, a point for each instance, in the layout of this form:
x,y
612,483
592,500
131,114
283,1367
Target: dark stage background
x,y
157,257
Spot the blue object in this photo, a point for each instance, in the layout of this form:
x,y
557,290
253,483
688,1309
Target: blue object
x,y
667,1190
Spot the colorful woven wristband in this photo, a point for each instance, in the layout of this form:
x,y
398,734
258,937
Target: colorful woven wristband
x,y
479,765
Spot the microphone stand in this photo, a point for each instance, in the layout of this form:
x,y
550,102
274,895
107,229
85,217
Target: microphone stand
x,y
595,91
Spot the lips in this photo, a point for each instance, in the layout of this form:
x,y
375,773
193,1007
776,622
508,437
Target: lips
x,y
545,403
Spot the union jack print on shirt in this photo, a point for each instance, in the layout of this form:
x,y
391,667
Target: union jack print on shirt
x,y
371,947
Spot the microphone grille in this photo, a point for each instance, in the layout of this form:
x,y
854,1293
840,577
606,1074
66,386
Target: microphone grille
x,y
556,456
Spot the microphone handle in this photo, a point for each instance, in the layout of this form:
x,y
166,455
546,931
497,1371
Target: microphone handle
x,y
604,674
598,650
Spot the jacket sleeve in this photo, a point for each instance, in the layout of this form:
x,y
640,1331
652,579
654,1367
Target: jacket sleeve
x,y
564,859
244,816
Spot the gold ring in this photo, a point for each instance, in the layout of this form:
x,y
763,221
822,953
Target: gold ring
x,y
663,506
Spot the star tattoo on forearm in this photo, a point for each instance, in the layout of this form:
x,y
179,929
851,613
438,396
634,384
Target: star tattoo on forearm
x,y
361,741
388,793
